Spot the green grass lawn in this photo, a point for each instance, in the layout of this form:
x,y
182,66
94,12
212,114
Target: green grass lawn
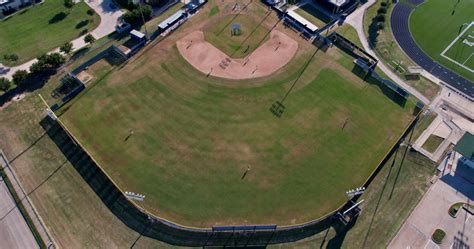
x,y
350,33
436,23
42,28
218,32
432,143
194,138
313,15
388,50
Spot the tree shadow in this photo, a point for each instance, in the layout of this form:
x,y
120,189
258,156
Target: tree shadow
x,y
388,92
373,33
58,17
35,82
82,24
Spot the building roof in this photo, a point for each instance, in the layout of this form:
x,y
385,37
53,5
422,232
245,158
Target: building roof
x,y
171,19
137,34
3,2
338,2
302,21
465,146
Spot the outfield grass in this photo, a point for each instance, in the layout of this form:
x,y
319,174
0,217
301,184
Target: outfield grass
x,y
218,32
194,138
42,28
313,15
436,23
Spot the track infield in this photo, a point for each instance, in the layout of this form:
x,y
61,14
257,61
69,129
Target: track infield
x,y
207,150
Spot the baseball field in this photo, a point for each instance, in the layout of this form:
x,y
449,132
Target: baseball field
x,y
205,150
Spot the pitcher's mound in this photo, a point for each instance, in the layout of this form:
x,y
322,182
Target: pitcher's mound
x,y
265,60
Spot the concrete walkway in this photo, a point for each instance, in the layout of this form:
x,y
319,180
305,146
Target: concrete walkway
x,y
356,19
109,15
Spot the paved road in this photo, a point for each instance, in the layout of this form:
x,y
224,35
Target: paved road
x,y
14,232
109,16
356,19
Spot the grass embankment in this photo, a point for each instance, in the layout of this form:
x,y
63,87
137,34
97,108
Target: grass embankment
x,y
436,23
388,50
432,143
42,28
73,213
22,209
400,181
423,123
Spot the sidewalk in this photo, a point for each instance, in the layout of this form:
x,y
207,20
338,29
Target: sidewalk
x,y
109,15
356,20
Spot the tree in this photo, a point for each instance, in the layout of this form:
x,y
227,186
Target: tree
x,y
36,67
11,57
69,3
135,15
19,77
89,39
47,61
4,84
66,48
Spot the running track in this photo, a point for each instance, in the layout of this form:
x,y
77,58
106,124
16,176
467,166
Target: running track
x,y
400,28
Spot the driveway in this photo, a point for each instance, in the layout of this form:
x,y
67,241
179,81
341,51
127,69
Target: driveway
x,y
109,15
14,232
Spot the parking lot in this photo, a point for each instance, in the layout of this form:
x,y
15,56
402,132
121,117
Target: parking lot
x,y
432,213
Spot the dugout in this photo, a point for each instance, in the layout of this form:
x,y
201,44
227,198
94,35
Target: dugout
x,y
170,21
69,87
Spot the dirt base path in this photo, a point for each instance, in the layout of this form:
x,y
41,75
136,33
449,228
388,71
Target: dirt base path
x,y
265,60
